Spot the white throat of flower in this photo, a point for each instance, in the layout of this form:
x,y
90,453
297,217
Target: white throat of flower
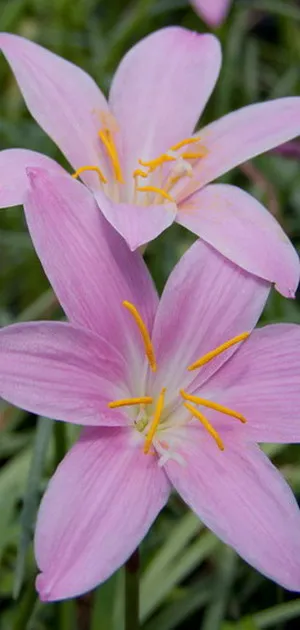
x,y
151,425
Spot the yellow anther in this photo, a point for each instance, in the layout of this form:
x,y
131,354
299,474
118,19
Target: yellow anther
x,y
139,173
106,136
149,350
155,421
184,143
209,428
212,405
194,156
214,353
154,164
124,402
83,169
159,191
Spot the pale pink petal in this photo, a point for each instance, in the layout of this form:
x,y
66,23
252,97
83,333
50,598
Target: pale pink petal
x,y
213,12
160,89
57,370
242,135
99,505
262,381
88,264
137,224
239,227
207,301
241,496
64,100
13,177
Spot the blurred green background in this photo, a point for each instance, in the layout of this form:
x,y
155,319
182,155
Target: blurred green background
x,y
189,580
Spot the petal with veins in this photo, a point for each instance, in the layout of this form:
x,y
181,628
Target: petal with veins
x,y
243,134
14,180
160,89
105,495
241,229
207,301
137,224
62,372
64,100
262,382
88,264
241,496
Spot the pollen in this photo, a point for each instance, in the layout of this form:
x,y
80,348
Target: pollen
x,y
155,421
212,405
83,169
214,353
206,424
149,350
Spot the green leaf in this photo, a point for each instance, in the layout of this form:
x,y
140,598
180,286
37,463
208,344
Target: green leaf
x,y
224,575
154,591
28,515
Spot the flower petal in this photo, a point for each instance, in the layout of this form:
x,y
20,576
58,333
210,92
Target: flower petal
x,y
207,301
105,495
242,135
57,370
14,180
64,100
241,496
88,264
262,380
239,227
160,89
137,224
213,12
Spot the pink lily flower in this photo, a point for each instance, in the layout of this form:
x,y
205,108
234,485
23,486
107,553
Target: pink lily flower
x,y
213,12
172,393
136,153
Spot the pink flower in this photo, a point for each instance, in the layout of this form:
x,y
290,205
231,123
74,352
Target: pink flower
x,y
213,12
127,367
136,153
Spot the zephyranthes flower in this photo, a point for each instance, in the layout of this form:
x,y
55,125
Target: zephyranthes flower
x,y
137,153
213,12
172,392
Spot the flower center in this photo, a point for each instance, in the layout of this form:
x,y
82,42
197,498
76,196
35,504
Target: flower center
x,y
149,424
159,182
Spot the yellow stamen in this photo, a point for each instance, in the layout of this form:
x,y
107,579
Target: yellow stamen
x,y
212,405
214,434
82,169
124,402
106,136
184,143
153,164
159,191
139,173
155,421
149,350
195,156
214,353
